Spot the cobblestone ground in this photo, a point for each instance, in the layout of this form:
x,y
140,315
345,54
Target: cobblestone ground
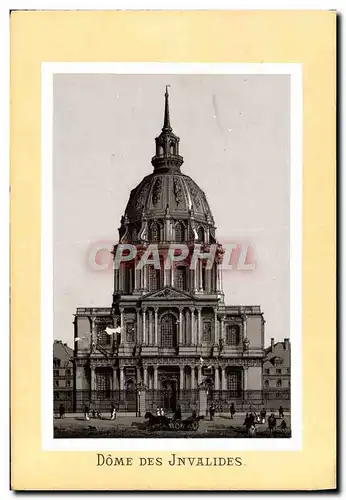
x,y
125,426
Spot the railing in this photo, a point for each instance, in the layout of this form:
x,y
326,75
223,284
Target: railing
x,y
188,399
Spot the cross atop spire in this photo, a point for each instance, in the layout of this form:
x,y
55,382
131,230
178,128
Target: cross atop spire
x,y
166,121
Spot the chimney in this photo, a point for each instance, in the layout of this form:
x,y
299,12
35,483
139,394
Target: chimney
x,y
272,341
286,344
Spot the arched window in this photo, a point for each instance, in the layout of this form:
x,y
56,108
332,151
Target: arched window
x,y
266,383
154,279
179,232
130,386
154,233
180,278
134,235
172,148
168,331
206,331
232,335
279,383
200,232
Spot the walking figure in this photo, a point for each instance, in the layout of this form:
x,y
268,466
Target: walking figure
x,y
86,412
177,413
113,413
263,415
62,411
232,410
272,423
281,412
212,411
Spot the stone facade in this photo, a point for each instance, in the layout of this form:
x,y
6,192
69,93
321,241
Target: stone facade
x,y
277,366
172,330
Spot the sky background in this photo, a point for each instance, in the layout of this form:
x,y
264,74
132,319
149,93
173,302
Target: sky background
x,y
235,138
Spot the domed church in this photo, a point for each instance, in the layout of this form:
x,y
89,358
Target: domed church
x,y
168,333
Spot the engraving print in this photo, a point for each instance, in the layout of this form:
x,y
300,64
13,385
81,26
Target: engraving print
x,y
194,338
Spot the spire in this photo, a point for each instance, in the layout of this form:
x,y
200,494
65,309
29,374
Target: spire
x,y
167,156
166,122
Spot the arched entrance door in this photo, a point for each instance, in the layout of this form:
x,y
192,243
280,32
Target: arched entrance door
x,y
169,394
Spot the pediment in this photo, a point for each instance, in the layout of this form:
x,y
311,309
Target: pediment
x,y
167,293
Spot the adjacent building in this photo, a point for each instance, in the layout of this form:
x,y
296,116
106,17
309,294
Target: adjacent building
x,y
277,374
168,330
62,375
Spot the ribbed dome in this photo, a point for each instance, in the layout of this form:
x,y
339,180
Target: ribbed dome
x,y
175,193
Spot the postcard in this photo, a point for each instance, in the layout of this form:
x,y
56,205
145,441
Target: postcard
x,y
171,205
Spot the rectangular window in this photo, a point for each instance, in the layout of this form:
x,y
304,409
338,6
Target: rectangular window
x,y
56,373
68,383
56,383
278,371
267,371
68,372
232,335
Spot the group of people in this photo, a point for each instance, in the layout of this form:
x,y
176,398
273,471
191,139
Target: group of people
x,y
212,410
97,414
251,419
160,412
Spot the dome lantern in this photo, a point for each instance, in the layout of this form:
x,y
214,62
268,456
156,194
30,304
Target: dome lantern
x,y
167,156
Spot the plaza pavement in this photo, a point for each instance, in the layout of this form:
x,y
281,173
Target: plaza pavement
x,y
221,426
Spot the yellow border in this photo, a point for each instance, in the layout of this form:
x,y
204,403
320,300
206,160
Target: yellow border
x,y
307,37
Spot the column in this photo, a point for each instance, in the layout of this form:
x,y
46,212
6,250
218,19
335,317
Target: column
x,y
138,375
115,379
216,332
138,326
217,379
200,270
144,327
223,329
223,379
180,342
187,339
192,325
92,379
122,325
145,273
245,379
135,274
194,279
121,379
193,378
150,327
145,376
155,377
218,278
199,379
93,331
116,279
244,326
155,325
181,378
199,326
172,275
